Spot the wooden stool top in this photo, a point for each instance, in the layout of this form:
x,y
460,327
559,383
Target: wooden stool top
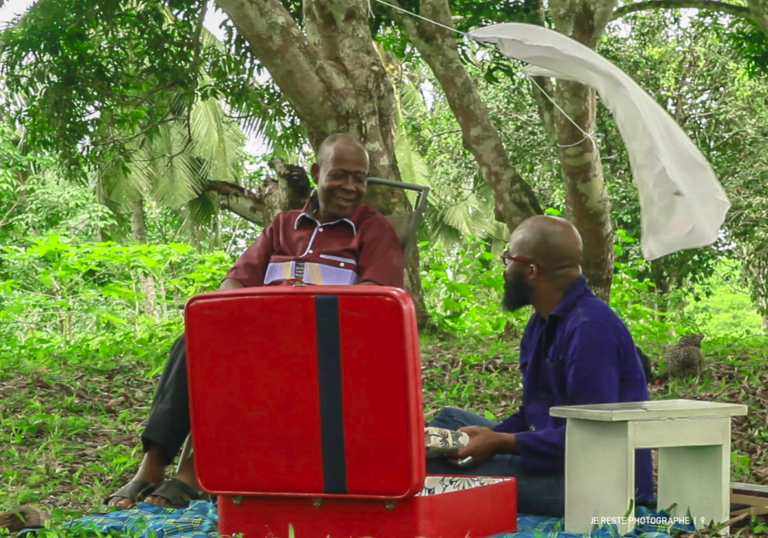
x,y
649,410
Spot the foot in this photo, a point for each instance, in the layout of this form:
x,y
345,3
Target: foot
x,y
22,517
150,475
176,494
133,492
188,477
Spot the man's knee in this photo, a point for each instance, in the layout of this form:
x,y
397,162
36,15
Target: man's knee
x,y
450,418
179,344
178,352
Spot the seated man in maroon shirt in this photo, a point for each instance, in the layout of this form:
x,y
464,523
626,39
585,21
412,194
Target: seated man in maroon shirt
x,y
333,240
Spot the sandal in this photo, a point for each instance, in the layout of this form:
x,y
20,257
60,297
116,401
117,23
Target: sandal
x,y
135,491
179,493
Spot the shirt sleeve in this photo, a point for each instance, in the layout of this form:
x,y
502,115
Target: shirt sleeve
x,y
517,422
251,267
381,258
592,377
514,424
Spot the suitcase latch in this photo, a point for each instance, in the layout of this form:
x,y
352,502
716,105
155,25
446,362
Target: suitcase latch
x,y
317,503
390,505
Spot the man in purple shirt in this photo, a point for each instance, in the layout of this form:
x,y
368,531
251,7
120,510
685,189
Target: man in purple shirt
x,y
335,239
575,351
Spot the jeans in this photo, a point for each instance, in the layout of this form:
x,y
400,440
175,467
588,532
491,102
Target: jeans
x,y
537,494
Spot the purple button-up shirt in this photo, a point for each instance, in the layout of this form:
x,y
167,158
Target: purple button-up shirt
x,y
582,354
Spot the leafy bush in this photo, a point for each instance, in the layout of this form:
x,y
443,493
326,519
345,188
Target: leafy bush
x,y
463,289
58,294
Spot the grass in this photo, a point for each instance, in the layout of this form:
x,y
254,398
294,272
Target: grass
x,y
71,417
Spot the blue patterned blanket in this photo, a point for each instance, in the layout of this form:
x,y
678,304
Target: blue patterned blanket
x,y
200,520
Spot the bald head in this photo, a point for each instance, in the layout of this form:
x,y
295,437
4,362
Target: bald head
x,y
341,175
545,257
552,242
349,142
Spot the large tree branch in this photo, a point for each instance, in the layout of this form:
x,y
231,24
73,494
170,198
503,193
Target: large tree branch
x,y
542,88
758,9
289,191
242,202
310,85
515,200
723,7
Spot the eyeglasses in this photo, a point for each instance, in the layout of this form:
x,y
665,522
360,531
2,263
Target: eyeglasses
x,y
506,259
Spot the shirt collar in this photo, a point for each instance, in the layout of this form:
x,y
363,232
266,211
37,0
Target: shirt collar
x,y
569,298
310,209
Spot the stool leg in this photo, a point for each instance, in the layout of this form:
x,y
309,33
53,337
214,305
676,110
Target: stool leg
x,y
599,473
697,478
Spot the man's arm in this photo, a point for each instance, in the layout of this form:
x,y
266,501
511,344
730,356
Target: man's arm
x,y
381,260
484,443
514,424
592,377
250,268
230,284
517,422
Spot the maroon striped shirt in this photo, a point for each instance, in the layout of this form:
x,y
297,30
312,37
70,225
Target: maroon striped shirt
x,y
295,246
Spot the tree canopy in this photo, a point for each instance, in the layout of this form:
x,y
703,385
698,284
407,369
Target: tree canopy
x,y
131,94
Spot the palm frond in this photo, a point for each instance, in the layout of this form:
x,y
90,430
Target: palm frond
x,y
216,139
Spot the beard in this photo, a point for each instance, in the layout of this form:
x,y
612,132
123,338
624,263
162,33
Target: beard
x,y
517,292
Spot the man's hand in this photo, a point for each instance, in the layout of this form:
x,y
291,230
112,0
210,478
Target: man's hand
x,y
483,445
230,284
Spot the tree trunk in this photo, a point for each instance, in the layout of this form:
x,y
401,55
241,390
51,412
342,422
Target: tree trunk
x,y
413,286
756,269
335,81
587,202
163,299
515,200
139,231
586,198
663,281
758,10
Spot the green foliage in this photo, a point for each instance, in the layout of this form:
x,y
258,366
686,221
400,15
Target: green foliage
x,y
463,289
35,199
95,52
746,39
56,289
464,286
96,81
630,297
725,308
694,70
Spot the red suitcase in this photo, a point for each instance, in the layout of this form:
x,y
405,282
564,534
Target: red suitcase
x,y
306,411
